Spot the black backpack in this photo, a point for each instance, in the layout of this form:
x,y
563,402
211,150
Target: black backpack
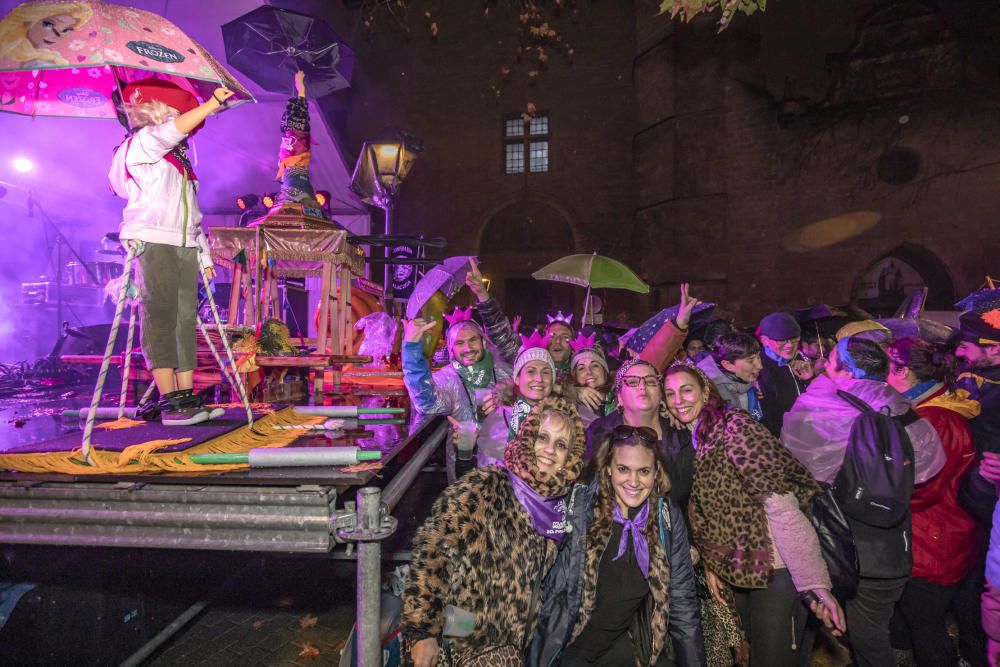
x,y
875,483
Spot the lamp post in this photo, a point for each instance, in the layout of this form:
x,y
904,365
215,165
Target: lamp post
x,y
382,166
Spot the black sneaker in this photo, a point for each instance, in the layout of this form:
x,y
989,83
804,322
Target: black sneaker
x,y
189,399
173,412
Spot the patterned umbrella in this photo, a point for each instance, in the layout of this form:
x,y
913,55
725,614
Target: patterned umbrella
x,y
67,58
981,300
638,341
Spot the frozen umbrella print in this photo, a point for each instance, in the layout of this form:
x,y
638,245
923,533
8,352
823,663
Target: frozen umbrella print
x,y
66,59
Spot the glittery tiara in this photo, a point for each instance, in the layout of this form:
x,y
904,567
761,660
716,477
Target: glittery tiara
x,y
559,317
582,342
535,340
459,315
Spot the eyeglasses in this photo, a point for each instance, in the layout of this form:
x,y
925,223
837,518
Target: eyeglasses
x,y
635,380
626,432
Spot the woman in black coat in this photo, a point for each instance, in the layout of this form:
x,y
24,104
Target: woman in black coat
x,y
622,590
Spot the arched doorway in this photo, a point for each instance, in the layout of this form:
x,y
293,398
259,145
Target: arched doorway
x,y
521,238
882,286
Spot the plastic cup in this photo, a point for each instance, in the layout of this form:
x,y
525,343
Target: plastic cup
x,y
480,396
465,439
458,622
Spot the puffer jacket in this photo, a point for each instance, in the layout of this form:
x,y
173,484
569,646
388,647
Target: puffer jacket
x,y
944,535
563,596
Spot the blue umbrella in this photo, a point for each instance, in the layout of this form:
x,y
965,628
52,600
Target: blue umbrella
x,y
447,277
638,341
981,300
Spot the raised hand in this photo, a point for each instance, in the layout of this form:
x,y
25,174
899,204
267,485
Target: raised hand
x,y
414,330
474,279
221,94
687,306
300,83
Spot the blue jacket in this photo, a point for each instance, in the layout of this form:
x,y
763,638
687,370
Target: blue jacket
x,y
562,588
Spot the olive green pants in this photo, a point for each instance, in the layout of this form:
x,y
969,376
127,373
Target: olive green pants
x,y
169,292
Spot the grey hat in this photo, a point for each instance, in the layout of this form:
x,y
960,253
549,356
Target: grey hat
x,y
779,326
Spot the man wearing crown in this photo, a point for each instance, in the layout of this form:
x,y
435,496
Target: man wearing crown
x,y
560,332
452,391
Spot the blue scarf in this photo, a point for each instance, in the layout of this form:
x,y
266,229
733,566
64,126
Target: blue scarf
x,y
753,404
781,361
635,527
917,390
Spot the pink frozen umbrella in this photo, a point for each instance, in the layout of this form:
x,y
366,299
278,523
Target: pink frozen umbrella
x,y
67,58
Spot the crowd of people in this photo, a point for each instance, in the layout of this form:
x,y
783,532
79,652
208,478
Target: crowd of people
x,y
713,497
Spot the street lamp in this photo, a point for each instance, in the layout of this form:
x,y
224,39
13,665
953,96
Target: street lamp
x,y
382,166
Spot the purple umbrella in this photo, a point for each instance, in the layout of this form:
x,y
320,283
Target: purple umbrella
x,y
448,277
270,44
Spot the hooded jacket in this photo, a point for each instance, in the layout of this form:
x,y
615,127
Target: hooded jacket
x,y
944,535
563,599
479,550
162,203
732,391
817,427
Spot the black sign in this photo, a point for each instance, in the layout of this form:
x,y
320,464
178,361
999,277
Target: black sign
x,y
404,276
156,52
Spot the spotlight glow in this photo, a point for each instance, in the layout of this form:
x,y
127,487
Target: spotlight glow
x,y
23,164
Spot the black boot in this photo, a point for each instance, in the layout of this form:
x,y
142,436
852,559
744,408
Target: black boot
x,y
174,411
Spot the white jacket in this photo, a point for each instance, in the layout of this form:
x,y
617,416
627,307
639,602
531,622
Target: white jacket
x,y
160,198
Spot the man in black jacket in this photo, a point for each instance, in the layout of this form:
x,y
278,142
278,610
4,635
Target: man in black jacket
x,y
779,337
979,350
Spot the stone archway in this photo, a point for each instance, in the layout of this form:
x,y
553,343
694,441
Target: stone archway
x,y
518,239
887,280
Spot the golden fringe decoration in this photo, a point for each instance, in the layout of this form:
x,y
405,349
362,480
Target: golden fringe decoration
x,y
119,424
145,458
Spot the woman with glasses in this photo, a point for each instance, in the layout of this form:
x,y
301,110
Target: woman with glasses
x,y
638,386
759,550
622,591
490,538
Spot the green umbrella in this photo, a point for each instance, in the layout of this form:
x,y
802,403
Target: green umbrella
x,y
592,271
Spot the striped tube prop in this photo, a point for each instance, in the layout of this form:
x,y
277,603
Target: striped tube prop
x,y
88,429
229,351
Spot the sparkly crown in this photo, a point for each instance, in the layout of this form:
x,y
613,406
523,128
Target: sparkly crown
x,y
563,319
458,315
582,342
535,340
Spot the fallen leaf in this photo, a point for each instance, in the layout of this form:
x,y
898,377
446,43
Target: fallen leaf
x,y
309,651
533,73
285,602
532,109
307,621
434,29
257,625
427,14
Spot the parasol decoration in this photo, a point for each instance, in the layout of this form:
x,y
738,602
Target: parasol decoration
x,y
593,272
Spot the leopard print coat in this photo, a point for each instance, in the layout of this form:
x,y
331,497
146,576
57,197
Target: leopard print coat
x,y
740,466
479,550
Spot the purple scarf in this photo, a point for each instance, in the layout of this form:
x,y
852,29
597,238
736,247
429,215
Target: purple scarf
x,y
547,514
639,544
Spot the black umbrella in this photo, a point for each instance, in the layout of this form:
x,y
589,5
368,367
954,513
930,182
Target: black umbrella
x,y
270,44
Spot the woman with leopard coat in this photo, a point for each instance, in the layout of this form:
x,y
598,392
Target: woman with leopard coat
x,y
623,589
490,539
760,551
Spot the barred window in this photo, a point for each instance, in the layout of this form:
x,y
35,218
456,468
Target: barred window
x,y
526,144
